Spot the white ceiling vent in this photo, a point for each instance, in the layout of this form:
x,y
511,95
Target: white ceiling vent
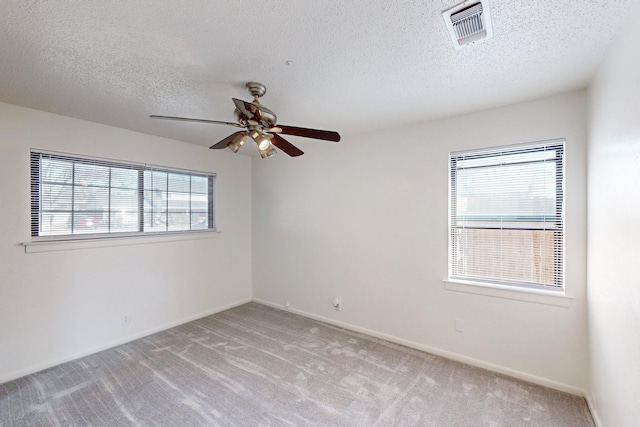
x,y
469,22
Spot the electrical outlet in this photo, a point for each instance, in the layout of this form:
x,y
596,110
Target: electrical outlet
x,y
337,304
459,325
126,319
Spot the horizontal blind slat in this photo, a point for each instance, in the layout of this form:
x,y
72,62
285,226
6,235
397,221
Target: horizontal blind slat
x,y
507,214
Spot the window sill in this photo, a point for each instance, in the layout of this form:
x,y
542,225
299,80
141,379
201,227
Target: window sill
x,y
537,296
105,242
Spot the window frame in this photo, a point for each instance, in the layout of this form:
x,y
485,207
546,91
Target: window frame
x,y
558,228
36,156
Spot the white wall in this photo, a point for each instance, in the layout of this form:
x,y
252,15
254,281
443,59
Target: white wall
x,y
366,219
614,235
59,305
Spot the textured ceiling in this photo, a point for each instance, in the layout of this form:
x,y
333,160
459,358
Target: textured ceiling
x,y
349,66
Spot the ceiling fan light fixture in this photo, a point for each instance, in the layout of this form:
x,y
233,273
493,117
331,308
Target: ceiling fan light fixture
x,y
237,142
268,152
254,133
262,139
264,143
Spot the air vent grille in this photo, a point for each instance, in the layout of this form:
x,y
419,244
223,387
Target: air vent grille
x,y
468,22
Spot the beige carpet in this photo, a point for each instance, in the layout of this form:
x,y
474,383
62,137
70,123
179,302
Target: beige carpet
x,y
257,366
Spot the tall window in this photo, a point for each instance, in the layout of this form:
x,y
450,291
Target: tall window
x,y
507,211
72,196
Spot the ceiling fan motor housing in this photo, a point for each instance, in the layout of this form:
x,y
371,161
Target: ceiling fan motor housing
x,y
256,115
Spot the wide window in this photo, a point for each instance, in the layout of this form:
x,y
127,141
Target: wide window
x,y
74,197
507,215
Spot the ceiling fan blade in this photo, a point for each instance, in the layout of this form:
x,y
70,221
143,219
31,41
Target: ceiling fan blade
x,y
225,142
286,146
187,119
326,135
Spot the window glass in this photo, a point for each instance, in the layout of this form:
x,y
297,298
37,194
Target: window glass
x,y
507,215
83,196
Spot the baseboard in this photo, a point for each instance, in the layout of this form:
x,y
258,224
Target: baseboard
x,y
546,382
37,368
592,409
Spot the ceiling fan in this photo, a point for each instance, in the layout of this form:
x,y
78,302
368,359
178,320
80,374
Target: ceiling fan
x,y
260,124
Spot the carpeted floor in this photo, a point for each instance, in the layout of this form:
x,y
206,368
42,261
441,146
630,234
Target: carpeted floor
x,y
257,366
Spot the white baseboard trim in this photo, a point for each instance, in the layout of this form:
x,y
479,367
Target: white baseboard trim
x,y
546,382
40,367
592,409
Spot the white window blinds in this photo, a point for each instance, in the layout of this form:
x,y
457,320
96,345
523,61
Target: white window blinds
x,y
74,196
507,215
